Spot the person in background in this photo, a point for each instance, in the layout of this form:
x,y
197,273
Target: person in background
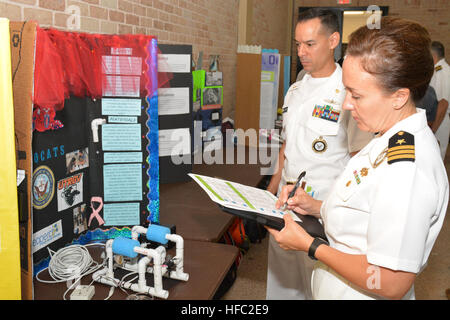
x,y
430,103
387,207
318,138
441,84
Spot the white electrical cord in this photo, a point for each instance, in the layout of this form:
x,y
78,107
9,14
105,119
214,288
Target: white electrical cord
x,y
70,263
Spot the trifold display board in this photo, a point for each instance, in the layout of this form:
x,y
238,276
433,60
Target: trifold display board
x,y
175,113
95,159
22,38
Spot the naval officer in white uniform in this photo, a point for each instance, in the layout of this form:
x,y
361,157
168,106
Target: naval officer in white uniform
x,y
441,84
386,209
317,134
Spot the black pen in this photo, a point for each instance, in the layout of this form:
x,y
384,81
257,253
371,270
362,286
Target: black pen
x,y
297,184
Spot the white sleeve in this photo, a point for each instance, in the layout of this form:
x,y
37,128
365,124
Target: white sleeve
x,y
404,203
285,115
446,85
442,85
283,129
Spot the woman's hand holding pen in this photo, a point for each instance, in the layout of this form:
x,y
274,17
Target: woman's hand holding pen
x,y
293,236
301,202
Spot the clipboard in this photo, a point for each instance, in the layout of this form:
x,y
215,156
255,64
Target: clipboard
x,y
309,223
253,204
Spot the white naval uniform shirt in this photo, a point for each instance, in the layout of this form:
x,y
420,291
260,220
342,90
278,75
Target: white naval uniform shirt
x,y
304,132
392,213
441,81
289,272
441,84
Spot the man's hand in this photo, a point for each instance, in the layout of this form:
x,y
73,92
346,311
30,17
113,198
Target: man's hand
x,y
272,187
276,178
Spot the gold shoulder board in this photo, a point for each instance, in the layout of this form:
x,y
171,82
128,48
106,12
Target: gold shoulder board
x,y
401,148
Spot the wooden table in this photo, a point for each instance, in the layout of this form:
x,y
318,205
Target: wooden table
x,y
206,263
199,221
195,215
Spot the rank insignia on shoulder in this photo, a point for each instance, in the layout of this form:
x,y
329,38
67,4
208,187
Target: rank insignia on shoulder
x,y
401,148
285,109
438,68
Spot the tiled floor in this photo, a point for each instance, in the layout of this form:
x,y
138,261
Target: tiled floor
x,y
431,284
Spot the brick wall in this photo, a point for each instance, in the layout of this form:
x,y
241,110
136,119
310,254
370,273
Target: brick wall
x,y
208,25
432,14
270,24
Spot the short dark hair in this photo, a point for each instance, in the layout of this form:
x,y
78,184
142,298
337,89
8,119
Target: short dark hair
x,y
438,48
327,17
398,55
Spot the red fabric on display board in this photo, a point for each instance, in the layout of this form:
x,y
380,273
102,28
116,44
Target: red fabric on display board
x,y
85,65
49,74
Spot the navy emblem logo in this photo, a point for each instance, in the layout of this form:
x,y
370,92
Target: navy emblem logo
x,y
43,187
320,145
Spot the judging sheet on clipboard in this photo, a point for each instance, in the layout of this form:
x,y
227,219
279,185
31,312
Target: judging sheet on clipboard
x,y
241,197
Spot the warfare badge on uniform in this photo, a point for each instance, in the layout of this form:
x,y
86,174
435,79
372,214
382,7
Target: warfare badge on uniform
x,y
401,148
364,172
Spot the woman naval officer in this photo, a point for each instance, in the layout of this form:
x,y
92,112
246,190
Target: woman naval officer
x,y
385,210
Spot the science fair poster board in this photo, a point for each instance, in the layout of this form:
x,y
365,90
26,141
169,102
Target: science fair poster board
x,y
175,106
95,152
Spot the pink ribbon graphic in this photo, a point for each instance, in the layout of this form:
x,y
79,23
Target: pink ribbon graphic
x,y
95,212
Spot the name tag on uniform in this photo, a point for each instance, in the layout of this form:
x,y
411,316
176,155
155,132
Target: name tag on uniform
x,y
326,112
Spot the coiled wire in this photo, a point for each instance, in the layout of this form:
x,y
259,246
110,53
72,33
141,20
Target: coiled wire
x,y
70,263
